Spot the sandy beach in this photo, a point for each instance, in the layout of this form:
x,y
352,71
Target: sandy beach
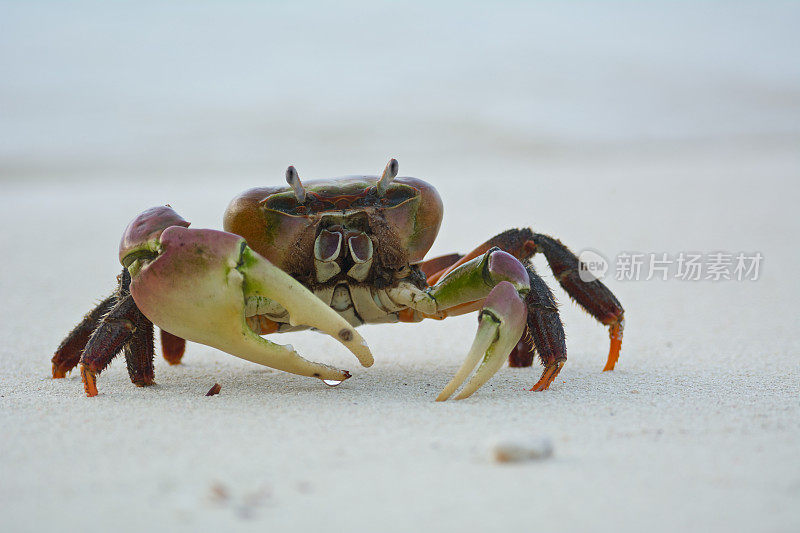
x,y
654,144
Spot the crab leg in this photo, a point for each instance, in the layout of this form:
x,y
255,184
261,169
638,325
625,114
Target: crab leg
x,y
139,352
545,330
593,296
68,354
438,264
114,332
124,328
196,288
172,347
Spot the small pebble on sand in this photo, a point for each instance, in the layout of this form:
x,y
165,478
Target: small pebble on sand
x,y
521,448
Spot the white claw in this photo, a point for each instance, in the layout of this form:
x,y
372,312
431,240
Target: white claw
x,y
495,357
265,279
487,332
197,287
500,327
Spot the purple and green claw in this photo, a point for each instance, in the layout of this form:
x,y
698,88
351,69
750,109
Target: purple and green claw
x,y
194,283
501,324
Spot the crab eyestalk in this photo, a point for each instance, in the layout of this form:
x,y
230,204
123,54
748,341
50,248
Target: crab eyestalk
x,y
293,179
389,173
195,283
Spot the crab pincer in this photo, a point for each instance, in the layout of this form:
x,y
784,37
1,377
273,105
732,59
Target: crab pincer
x,y
500,325
195,283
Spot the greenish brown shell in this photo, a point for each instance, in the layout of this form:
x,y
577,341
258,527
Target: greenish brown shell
x,y
404,221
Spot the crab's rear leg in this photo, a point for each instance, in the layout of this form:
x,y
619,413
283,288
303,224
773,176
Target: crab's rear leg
x,y
523,353
68,353
139,352
545,330
124,327
593,296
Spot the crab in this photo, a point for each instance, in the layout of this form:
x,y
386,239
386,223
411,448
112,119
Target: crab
x,y
329,255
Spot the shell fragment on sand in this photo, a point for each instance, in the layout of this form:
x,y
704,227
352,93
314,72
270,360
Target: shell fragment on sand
x,y
520,448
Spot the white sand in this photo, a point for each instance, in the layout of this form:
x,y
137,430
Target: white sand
x,y
680,133
697,429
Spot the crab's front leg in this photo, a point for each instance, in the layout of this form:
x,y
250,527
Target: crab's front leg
x,y
497,284
194,283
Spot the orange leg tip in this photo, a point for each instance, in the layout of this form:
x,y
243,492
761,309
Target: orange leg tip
x,y
58,372
615,333
549,374
613,354
89,381
171,358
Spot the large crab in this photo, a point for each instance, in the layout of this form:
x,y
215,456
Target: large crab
x,y
329,255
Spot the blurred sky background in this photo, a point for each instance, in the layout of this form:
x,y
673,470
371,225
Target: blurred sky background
x,y
144,90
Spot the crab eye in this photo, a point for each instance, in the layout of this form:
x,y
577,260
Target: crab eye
x,y
283,203
397,194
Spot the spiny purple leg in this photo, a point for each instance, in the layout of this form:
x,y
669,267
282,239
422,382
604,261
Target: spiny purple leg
x,y
523,353
593,296
546,330
139,352
111,335
68,354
